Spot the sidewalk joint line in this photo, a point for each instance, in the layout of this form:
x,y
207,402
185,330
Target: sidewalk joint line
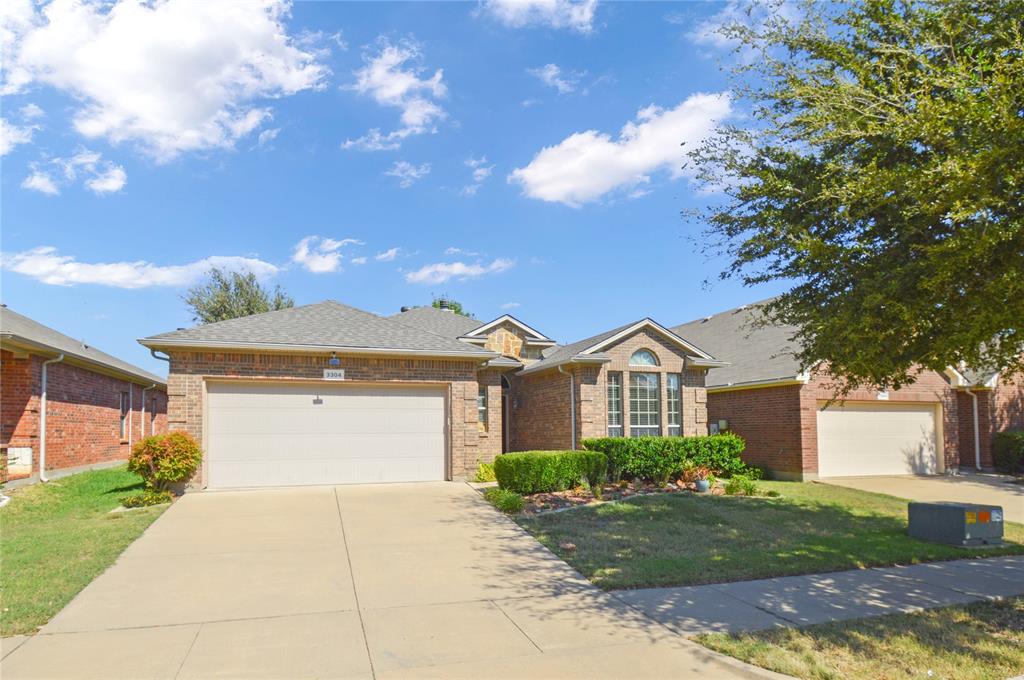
x,y
352,577
188,653
518,627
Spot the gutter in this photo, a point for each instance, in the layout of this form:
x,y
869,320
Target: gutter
x,y
977,431
572,402
801,379
90,363
155,345
42,417
577,359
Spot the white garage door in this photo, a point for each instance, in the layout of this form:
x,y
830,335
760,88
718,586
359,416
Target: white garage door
x,y
273,434
859,439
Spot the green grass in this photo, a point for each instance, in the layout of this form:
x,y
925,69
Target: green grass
x,y
979,641
683,539
57,537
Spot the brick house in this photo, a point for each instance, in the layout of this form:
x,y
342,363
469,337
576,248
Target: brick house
x,y
327,394
96,404
795,427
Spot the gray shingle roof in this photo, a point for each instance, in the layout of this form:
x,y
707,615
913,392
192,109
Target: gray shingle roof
x,y
552,356
755,353
16,327
448,324
327,324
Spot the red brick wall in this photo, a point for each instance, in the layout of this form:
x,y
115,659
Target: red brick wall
x,y
541,412
82,414
489,433
770,420
1008,404
188,370
999,409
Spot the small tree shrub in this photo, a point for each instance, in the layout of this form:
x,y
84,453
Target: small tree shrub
x,y
147,497
540,471
485,472
661,458
509,502
741,485
1008,452
163,459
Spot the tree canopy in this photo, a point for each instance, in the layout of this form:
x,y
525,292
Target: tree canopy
x,y
880,171
229,295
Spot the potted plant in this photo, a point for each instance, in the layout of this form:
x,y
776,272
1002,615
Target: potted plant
x,y
701,478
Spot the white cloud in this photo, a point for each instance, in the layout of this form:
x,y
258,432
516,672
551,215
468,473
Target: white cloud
x,y
171,76
708,32
31,111
452,250
391,77
511,305
39,180
587,165
47,265
267,136
481,171
527,103
100,176
12,135
387,256
575,15
407,173
320,254
443,271
552,75
108,181
359,260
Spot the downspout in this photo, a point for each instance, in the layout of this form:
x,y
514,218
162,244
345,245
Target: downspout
x,y
977,431
131,394
42,418
143,423
572,402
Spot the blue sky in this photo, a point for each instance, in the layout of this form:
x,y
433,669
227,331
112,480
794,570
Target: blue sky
x,y
518,157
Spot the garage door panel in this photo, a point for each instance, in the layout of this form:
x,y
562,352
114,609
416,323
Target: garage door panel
x,y
274,434
859,439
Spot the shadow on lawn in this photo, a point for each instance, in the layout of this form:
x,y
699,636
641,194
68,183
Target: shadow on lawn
x,y
138,486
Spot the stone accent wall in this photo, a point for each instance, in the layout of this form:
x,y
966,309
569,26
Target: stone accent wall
x,y
83,412
505,339
190,369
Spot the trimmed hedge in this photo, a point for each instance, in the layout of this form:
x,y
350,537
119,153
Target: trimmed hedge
x,y
661,458
540,471
1008,452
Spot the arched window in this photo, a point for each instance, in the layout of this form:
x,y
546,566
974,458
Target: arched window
x,y
643,357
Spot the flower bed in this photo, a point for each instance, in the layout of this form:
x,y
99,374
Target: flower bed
x,y
557,501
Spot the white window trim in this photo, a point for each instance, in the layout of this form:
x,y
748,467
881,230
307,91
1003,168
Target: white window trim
x,y
620,427
634,413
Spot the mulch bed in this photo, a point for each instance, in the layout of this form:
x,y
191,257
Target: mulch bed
x,y
543,503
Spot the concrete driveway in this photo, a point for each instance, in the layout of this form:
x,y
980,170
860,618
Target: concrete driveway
x,y
422,580
968,488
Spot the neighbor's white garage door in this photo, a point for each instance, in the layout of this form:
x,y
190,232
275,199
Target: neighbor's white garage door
x,y
273,434
859,439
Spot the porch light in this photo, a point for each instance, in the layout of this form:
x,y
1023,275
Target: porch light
x,y
334,360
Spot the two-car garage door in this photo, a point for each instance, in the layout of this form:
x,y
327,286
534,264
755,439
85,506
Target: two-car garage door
x,y
276,434
877,438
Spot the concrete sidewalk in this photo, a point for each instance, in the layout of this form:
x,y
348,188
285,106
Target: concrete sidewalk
x,y
817,598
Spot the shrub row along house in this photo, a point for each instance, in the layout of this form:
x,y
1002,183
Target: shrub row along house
x,y
329,394
65,405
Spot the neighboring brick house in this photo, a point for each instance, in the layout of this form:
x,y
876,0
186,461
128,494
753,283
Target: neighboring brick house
x,y
796,427
328,394
96,404
989,402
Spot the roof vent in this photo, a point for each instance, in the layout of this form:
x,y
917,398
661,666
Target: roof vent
x,y
707,318
443,305
743,307
404,309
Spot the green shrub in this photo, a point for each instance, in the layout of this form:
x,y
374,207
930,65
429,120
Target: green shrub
x,y
147,497
507,501
1008,452
165,458
539,471
741,485
485,472
660,458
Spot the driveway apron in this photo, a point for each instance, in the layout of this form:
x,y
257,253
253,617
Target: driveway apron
x,y
404,580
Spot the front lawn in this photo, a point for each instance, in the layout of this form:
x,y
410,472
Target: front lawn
x,y
57,537
687,539
979,641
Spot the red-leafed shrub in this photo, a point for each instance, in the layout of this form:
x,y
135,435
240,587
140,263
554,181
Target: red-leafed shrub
x,y
165,458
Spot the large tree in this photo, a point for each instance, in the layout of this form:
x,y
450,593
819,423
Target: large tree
x,y
879,171
229,295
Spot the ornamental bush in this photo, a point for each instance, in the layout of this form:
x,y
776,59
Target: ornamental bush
x,y
484,472
661,458
1008,452
540,471
163,459
146,498
507,501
